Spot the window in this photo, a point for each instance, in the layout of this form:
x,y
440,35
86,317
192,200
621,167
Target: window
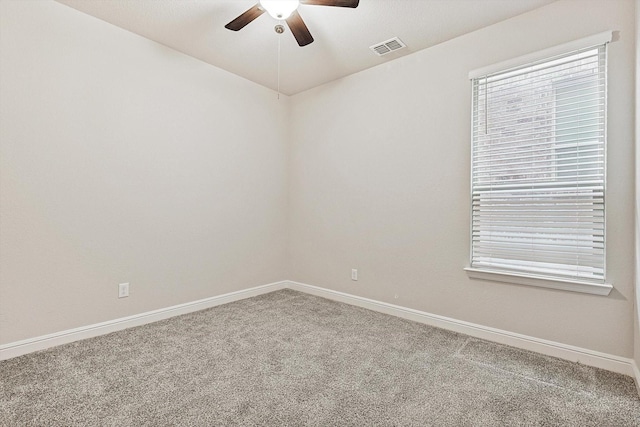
x,y
538,171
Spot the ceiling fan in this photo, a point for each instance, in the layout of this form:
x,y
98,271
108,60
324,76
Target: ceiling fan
x,y
287,10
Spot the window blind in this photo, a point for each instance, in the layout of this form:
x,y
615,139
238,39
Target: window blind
x,y
538,168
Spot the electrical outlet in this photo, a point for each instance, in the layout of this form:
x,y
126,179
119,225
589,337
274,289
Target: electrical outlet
x,y
354,274
123,290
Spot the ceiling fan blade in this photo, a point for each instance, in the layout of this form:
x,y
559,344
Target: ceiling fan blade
x,y
242,20
299,29
338,3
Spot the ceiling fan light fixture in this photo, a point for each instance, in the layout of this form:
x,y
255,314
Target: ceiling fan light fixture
x,y
280,9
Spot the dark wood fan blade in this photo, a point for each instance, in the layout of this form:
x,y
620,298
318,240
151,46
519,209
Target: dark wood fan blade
x,y
299,29
338,3
241,21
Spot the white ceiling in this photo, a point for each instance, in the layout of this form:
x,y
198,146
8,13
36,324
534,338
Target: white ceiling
x,y
342,35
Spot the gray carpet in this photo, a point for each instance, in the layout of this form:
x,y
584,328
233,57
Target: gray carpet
x,y
288,358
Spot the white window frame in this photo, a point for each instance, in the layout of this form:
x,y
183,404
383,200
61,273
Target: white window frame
x,y
575,285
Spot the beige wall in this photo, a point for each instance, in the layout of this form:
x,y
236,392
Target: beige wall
x,y
125,161
637,196
380,182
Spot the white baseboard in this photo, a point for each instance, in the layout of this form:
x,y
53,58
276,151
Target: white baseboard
x,y
18,348
550,348
563,351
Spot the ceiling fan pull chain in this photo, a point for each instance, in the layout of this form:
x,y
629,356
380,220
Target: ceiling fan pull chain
x,y
279,33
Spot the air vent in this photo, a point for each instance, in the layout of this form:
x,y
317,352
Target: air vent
x,y
387,46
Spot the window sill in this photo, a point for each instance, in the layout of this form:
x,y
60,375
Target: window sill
x,y
531,280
